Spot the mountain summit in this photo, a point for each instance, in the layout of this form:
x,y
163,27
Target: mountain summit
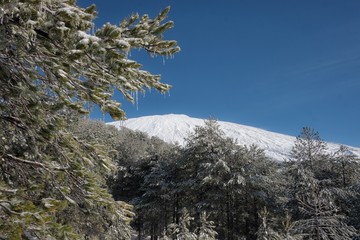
x,y
174,128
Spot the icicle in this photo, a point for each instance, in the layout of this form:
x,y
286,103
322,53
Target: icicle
x,y
122,123
137,100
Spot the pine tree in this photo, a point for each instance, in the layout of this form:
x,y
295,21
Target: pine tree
x,y
346,165
309,148
182,231
154,206
51,68
265,232
206,172
320,219
306,162
346,168
261,189
206,231
314,199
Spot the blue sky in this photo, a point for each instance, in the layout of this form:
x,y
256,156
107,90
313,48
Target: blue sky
x,y
276,65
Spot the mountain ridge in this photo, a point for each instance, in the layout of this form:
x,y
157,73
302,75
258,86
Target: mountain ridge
x,y
174,128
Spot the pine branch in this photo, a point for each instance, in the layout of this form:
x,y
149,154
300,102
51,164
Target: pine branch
x,y
4,204
35,164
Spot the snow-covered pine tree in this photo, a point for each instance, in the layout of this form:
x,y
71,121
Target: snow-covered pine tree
x,y
313,195
347,166
309,147
206,230
319,213
307,153
52,65
181,230
155,205
206,172
265,231
261,184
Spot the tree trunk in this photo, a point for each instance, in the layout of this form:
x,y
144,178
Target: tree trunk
x,y
229,220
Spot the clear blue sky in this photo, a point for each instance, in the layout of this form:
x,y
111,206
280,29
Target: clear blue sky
x,y
276,65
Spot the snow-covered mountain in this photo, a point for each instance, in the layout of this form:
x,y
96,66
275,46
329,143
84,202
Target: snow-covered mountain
x,y
174,128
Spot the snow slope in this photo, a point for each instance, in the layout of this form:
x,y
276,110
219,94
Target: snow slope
x,y
174,128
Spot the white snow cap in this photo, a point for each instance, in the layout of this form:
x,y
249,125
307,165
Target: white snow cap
x,y
174,128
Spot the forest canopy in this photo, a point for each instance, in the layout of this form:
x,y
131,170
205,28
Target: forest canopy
x,y
217,188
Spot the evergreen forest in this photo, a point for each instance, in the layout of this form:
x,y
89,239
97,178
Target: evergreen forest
x,y
63,176
216,188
